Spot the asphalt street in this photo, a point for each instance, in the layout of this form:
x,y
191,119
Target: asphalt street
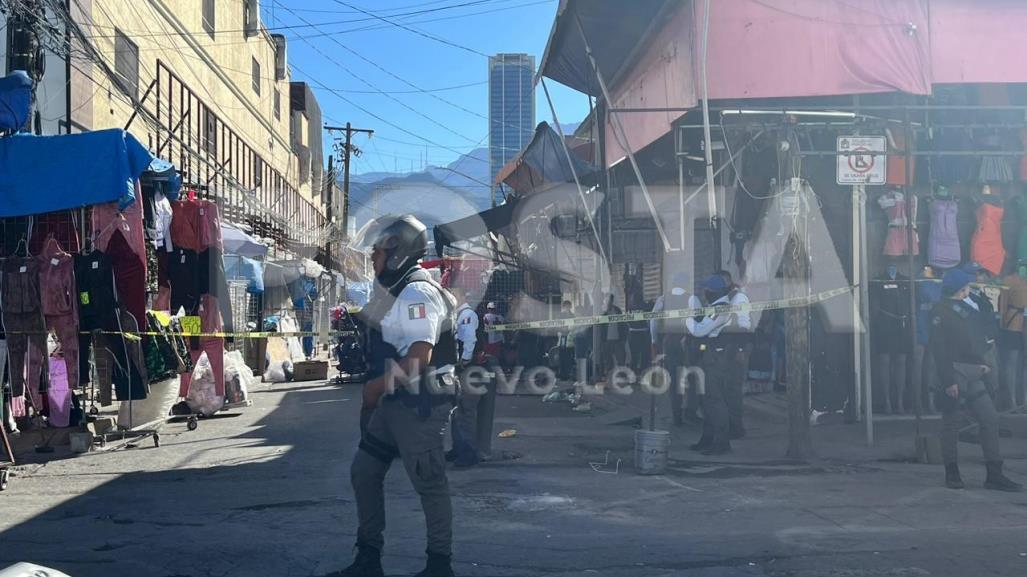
x,y
266,492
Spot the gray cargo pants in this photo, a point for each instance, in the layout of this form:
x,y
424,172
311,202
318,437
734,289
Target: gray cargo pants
x,y
396,431
973,395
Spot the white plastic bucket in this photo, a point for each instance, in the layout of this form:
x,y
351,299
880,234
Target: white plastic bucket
x,y
651,451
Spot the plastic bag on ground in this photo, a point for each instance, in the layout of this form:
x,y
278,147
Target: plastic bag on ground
x,y
203,398
278,372
238,378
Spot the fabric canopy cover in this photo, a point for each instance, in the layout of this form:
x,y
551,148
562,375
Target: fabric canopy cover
x,y
239,243
778,49
46,173
15,100
543,163
474,226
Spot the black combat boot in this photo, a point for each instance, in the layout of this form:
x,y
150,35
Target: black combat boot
x,y
438,566
952,478
997,481
703,444
368,563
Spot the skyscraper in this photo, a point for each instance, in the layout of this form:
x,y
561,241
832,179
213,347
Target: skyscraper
x,y
511,109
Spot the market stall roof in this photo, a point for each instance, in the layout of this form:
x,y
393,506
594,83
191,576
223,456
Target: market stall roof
x,y
543,163
47,173
15,100
613,27
474,226
238,242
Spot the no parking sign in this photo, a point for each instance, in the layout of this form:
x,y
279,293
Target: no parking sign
x,y
862,160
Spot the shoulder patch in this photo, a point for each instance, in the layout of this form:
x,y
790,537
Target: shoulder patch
x,y
416,311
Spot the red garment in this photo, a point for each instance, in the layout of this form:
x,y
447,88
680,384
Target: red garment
x,y
59,303
195,225
986,247
894,204
129,275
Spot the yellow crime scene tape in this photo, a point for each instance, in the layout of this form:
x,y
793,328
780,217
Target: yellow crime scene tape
x,y
676,313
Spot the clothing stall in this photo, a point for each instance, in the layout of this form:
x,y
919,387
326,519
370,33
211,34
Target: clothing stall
x,y
113,291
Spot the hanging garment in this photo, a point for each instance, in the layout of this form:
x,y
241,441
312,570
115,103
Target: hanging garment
x,y
889,303
897,168
1022,242
59,393
58,301
210,322
943,238
1013,303
195,225
100,310
986,247
23,323
895,205
928,292
130,272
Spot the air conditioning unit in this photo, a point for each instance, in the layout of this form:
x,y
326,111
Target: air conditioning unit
x,y
251,17
280,60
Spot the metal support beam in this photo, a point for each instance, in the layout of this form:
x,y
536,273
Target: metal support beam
x,y
622,139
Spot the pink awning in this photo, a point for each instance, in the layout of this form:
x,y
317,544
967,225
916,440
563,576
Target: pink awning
x,y
662,78
798,48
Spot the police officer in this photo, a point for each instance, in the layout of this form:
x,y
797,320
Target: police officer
x,y
411,350
722,338
960,350
668,339
735,391
465,413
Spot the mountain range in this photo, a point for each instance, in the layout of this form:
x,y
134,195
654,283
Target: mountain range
x,y
467,176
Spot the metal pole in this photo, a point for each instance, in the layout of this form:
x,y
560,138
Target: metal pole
x,y
711,190
857,322
868,390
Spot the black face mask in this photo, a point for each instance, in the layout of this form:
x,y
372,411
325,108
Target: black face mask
x,y
713,296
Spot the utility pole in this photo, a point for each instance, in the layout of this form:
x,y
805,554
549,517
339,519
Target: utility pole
x,y
348,151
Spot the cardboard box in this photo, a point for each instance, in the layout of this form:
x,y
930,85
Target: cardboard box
x,y
310,370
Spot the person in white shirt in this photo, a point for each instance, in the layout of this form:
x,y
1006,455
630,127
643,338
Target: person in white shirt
x,y
734,394
494,340
722,349
668,339
464,420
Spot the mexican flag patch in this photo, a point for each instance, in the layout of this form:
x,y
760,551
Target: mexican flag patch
x,y
417,311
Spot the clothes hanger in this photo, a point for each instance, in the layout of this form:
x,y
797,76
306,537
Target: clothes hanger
x,y
22,244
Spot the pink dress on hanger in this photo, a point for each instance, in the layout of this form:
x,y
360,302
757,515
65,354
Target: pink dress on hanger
x,y
895,206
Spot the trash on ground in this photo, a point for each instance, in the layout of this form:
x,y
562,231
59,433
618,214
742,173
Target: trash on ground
x,y
508,433
583,408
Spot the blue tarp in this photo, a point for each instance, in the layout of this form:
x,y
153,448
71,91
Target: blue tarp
x,y
240,267
15,100
46,173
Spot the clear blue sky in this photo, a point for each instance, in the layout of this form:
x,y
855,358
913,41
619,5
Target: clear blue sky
x,y
401,61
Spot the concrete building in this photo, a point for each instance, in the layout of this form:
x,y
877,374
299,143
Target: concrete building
x,y
511,109
202,83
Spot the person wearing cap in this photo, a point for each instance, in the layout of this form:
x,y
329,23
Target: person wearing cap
x,y
494,338
464,419
668,339
960,360
722,337
735,391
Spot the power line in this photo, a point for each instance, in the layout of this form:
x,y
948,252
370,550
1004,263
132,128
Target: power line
x,y
413,30
380,91
309,25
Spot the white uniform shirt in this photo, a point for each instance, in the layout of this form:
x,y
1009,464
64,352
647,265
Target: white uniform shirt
x,y
658,306
416,316
712,326
466,330
493,335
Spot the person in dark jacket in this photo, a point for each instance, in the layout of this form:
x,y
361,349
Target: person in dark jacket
x,y
960,350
